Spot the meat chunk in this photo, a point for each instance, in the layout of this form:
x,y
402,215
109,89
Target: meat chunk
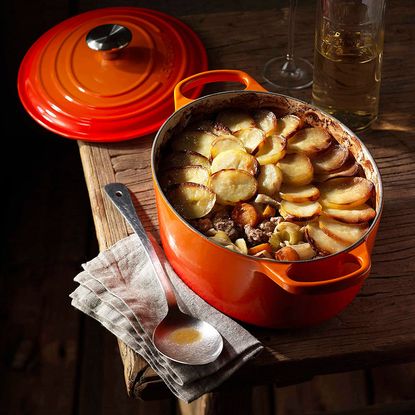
x,y
203,224
222,221
255,236
268,226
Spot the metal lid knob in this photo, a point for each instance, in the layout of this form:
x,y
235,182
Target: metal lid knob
x,y
109,39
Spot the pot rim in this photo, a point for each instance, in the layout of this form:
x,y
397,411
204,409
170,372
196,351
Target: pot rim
x,y
197,101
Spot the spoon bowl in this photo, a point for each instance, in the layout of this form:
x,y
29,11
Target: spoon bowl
x,y
179,336
186,339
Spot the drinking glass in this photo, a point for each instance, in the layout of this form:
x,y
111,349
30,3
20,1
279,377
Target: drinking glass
x,y
289,72
347,59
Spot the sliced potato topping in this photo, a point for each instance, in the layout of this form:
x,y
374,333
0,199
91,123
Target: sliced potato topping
x,y
186,158
350,191
223,143
235,119
305,193
198,141
233,186
296,169
348,170
235,159
331,159
251,138
280,189
309,141
343,232
271,149
269,179
321,241
266,120
358,214
288,125
300,211
193,174
191,200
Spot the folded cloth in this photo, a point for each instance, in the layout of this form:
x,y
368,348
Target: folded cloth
x,y
118,288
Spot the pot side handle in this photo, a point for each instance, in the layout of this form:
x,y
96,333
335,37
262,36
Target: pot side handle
x,y
360,256
220,75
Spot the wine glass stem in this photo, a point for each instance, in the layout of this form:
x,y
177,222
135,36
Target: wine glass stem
x,y
290,64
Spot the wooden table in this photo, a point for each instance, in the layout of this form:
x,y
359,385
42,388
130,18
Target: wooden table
x,y
378,327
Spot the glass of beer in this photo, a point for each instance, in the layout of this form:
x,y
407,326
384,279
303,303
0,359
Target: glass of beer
x,y
348,58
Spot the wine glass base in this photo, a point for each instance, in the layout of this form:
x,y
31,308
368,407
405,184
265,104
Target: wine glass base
x,y
284,74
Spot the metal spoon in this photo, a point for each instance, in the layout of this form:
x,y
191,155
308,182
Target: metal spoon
x,y
179,336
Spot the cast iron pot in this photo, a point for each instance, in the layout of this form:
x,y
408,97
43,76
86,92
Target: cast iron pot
x,y
259,291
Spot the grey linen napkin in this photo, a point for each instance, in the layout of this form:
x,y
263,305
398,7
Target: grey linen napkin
x,y
118,289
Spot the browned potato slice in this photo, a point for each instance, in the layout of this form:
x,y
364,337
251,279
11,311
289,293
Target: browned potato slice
x,y
185,158
192,174
235,159
198,141
300,211
269,179
343,232
296,169
358,214
331,159
271,149
326,204
288,125
304,250
348,170
346,191
266,120
233,186
306,193
223,143
191,200
321,241
235,119
213,127
251,138
309,141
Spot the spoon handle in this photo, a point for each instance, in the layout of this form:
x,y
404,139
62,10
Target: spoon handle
x,y
120,196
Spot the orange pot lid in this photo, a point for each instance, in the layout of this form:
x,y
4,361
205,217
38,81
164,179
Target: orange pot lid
x,y
109,74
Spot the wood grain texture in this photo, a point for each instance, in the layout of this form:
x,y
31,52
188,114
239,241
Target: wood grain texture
x,y
377,328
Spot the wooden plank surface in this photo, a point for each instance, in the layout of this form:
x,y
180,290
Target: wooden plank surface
x,y
377,328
